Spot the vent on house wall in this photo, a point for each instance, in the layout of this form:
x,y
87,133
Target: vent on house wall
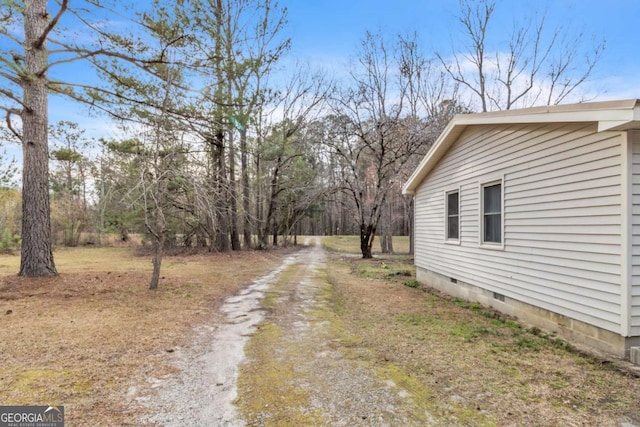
x,y
498,296
453,280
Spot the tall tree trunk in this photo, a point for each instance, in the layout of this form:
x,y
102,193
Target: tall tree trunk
x,y
233,196
159,236
384,236
222,236
210,216
367,233
344,222
202,240
261,226
222,203
37,252
246,226
411,227
386,241
270,220
157,261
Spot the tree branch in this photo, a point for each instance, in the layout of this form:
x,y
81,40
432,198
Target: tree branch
x,y
9,122
43,37
12,97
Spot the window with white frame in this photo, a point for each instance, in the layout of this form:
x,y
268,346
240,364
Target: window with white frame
x,y
492,212
453,215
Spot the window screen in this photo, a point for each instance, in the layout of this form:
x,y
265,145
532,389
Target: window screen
x,y
492,213
453,216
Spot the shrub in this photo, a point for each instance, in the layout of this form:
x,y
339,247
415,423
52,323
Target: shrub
x,y
8,241
412,283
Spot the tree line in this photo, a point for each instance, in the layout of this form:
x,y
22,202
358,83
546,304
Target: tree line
x,y
227,143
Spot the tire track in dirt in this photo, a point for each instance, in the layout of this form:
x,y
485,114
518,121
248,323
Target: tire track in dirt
x,y
204,392
304,370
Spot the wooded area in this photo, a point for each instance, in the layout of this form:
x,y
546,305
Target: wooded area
x,y
227,143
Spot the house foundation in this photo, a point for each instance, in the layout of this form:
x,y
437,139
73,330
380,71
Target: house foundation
x,y
574,331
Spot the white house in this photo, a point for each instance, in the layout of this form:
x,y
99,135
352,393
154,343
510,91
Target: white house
x,y
536,212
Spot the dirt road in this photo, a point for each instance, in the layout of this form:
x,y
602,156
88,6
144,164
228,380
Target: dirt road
x,y
277,358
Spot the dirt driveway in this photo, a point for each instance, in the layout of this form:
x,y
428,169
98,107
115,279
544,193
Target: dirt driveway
x,y
277,359
289,352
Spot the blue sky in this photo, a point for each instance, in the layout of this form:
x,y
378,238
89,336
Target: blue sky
x,y
327,34
328,31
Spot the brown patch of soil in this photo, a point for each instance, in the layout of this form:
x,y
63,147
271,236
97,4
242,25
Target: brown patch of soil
x,y
472,358
81,339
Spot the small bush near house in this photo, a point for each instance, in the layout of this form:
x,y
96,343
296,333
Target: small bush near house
x,y
412,283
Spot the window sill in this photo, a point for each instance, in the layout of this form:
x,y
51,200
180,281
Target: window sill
x,y
452,242
492,246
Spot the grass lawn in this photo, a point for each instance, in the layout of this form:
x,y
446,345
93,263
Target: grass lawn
x,y
81,339
351,244
469,364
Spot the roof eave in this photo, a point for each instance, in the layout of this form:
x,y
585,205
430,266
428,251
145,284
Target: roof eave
x,y
442,144
609,115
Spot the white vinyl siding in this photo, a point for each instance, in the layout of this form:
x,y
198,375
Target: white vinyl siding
x,y
561,214
635,235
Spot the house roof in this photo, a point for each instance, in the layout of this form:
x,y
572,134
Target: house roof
x,y
609,115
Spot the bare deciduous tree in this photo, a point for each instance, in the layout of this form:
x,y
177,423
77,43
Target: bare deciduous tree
x,y
380,133
298,104
535,65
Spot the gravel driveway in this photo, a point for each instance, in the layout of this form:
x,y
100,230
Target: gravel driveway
x,y
239,372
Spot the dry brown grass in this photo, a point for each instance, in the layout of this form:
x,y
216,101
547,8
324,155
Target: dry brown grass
x,y
471,364
351,244
82,338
